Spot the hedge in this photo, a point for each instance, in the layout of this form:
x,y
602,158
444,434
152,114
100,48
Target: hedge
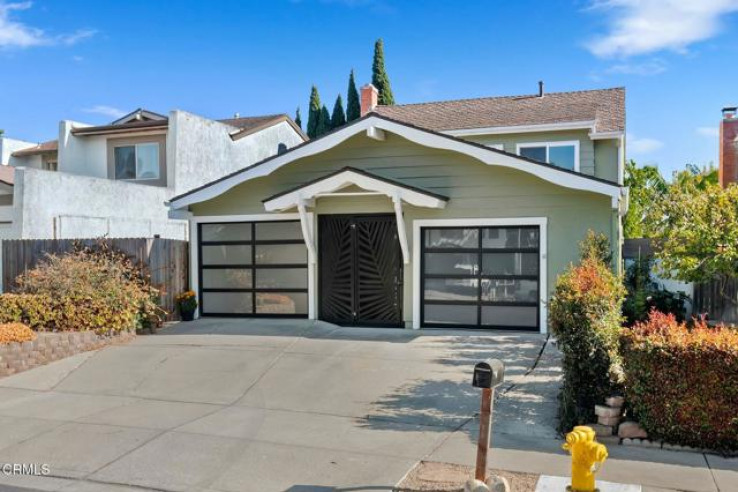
x,y
584,315
682,382
15,332
45,313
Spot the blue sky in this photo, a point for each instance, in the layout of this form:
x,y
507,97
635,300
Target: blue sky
x,y
91,60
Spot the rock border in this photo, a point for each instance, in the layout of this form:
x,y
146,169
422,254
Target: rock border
x,y
17,357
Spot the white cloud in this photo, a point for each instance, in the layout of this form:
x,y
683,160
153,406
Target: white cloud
x,y
105,111
638,27
708,131
15,34
77,36
642,146
653,67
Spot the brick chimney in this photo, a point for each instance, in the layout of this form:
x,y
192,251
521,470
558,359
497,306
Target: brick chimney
x,y
369,98
729,147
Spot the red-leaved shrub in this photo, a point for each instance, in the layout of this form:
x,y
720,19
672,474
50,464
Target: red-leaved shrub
x,y
682,381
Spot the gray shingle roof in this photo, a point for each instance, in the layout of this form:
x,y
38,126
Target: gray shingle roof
x,y
604,106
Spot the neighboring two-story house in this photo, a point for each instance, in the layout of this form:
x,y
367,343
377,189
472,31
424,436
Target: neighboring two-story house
x,y
114,180
445,214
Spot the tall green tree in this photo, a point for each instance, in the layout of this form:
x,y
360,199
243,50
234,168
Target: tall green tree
x,y
696,231
324,122
298,118
380,79
338,117
353,107
314,110
646,187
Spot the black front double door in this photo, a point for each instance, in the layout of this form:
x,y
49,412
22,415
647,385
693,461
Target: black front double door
x,y
360,274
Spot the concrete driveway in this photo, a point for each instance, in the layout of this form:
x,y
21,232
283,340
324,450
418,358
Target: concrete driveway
x,y
241,405
238,405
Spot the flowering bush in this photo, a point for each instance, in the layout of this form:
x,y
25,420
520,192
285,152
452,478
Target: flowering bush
x,y
682,382
584,314
92,288
15,332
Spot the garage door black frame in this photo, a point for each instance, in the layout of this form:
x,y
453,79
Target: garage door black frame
x,y
479,276
253,266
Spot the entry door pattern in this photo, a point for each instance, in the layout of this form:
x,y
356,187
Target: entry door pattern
x,y
360,271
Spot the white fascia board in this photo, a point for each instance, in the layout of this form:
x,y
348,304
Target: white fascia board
x,y
348,178
545,127
605,135
416,135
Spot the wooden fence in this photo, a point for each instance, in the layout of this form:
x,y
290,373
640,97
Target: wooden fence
x,y
166,259
718,299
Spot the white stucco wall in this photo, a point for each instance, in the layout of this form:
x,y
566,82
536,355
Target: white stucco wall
x,y
10,145
203,149
86,156
55,204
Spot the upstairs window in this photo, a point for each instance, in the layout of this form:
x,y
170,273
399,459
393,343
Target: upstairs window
x,y
137,161
561,154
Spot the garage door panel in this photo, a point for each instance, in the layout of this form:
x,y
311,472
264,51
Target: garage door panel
x,y
276,254
510,316
450,314
227,302
225,232
227,278
509,290
481,277
452,289
510,263
284,303
226,254
281,278
253,269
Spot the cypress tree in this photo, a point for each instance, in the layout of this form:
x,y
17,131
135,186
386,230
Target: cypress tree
x,y
324,121
313,113
353,107
338,118
379,75
298,118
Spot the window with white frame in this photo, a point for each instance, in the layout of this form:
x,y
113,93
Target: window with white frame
x,y
561,154
137,161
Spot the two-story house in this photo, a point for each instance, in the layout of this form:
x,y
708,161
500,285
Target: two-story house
x,y
114,180
444,214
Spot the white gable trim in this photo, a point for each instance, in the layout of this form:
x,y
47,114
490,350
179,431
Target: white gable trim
x,y
347,178
415,135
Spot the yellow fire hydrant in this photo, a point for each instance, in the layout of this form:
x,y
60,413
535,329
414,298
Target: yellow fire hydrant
x,y
587,457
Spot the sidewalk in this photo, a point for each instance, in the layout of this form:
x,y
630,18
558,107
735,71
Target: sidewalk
x,y
524,440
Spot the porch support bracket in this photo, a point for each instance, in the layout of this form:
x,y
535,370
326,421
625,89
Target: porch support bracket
x,y
306,230
401,232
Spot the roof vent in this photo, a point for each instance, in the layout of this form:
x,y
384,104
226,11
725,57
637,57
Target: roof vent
x,y
540,88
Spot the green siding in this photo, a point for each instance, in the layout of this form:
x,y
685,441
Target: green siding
x,y
475,189
596,158
606,159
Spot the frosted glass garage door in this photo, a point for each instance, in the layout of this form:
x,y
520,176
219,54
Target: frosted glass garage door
x,y
253,269
480,277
